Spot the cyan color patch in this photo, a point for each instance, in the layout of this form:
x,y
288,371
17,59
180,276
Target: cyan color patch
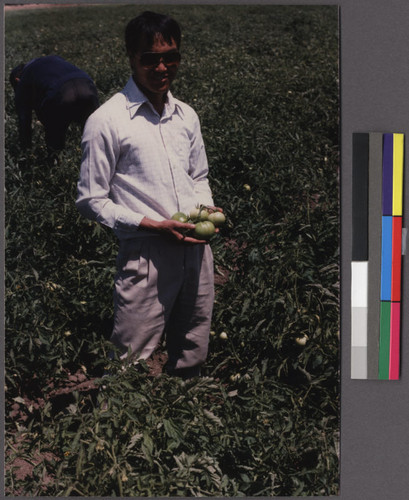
x,y
386,258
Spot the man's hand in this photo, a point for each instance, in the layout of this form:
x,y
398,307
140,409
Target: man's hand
x,y
214,209
172,228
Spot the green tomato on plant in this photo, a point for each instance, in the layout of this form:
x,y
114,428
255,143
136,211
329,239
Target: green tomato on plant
x,y
302,341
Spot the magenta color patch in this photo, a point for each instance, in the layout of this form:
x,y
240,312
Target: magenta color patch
x,y
394,352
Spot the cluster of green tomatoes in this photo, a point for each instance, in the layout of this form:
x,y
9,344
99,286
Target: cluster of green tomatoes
x,y
205,219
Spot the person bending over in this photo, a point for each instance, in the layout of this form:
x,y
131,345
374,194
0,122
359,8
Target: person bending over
x,y
58,92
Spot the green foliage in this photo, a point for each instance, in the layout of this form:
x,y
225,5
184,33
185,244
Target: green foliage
x,y
263,421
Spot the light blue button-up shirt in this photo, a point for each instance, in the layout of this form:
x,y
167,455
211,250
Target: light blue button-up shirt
x,y
137,163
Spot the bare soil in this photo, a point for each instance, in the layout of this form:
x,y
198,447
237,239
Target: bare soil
x,y
59,397
30,6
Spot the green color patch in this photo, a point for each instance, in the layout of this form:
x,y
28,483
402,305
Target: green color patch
x,y
384,340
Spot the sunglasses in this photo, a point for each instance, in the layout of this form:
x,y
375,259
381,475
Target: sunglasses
x,y
153,59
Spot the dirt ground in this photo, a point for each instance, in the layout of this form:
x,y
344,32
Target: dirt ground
x,y
58,396
28,6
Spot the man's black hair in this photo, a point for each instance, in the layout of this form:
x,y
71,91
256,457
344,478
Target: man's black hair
x,y
146,26
16,73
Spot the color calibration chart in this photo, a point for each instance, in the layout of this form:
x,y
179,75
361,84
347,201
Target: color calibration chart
x,y
377,248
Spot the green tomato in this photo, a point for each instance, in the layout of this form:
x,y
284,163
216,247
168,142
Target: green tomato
x,y
204,230
180,216
194,213
203,215
198,214
218,218
301,341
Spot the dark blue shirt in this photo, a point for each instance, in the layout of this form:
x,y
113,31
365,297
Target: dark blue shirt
x,y
43,77
40,81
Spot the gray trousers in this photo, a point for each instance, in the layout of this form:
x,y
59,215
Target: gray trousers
x,y
164,287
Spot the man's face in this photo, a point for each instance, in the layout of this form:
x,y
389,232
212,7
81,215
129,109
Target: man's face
x,y
151,68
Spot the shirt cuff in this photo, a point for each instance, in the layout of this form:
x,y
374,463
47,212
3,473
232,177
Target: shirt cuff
x,y
128,222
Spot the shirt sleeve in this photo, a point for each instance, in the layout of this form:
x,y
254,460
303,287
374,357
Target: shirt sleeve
x,y
100,153
199,168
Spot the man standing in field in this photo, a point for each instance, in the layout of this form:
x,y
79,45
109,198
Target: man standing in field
x,y
58,92
143,160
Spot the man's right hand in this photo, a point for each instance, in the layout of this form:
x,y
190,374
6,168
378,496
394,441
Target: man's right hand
x,y
171,227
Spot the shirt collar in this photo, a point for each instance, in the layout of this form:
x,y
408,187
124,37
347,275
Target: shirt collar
x,y
135,98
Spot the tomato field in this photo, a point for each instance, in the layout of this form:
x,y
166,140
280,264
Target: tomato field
x,y
263,420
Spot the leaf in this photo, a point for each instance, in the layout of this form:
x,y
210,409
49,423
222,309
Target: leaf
x,y
147,447
172,430
19,399
211,416
134,439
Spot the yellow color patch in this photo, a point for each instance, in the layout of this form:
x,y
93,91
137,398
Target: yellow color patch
x,y
397,192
